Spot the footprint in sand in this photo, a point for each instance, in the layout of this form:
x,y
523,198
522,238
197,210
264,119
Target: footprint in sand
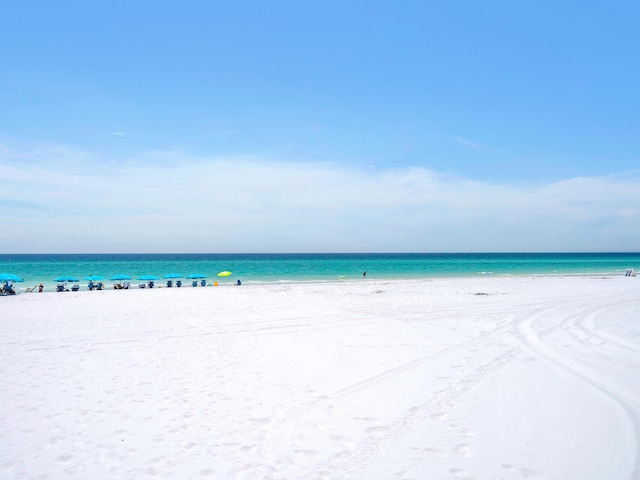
x,y
306,453
463,449
528,473
465,432
460,474
525,472
64,458
261,421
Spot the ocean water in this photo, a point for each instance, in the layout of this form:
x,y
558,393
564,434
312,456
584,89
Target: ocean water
x,y
284,268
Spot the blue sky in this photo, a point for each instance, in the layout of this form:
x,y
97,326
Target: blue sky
x,y
319,126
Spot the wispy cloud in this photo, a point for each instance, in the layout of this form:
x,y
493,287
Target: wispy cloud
x,y
473,145
116,133
251,204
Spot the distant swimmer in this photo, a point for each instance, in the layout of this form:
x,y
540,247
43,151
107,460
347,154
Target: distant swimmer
x,y
364,274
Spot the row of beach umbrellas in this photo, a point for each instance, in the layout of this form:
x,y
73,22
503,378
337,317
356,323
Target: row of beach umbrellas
x,y
8,277
118,278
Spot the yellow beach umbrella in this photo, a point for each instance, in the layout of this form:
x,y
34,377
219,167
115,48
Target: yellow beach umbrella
x,y
226,273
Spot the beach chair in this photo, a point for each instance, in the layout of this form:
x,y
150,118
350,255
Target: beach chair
x,y
75,288
142,285
629,273
60,287
99,286
91,285
9,290
178,283
31,289
169,284
126,285
194,283
203,283
151,284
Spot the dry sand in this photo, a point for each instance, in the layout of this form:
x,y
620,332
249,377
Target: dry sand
x,y
504,378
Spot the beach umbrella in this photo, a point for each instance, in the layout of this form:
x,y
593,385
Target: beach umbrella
x,y
147,277
226,273
67,278
194,276
172,275
8,277
117,278
94,278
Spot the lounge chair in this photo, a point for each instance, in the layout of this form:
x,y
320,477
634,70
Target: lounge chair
x,y
178,283
142,285
151,284
203,283
9,290
60,288
629,273
31,289
75,288
126,285
91,285
99,286
169,284
194,283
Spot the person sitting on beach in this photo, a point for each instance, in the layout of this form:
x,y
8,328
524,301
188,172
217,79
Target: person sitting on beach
x,y
8,289
40,288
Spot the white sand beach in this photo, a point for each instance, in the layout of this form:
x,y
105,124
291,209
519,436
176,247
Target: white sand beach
x,y
484,378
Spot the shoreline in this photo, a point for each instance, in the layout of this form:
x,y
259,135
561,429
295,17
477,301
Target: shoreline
x,y
49,287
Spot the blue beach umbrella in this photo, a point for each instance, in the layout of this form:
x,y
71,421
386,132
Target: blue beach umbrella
x,y
67,278
147,277
196,276
8,277
117,278
172,275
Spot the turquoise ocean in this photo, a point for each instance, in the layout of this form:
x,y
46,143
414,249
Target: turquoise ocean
x,y
287,268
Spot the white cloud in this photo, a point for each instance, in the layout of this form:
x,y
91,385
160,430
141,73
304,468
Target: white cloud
x,y
470,143
171,202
